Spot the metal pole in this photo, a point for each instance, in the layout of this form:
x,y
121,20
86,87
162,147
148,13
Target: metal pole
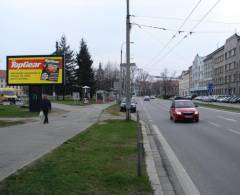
x,y
139,147
120,91
128,63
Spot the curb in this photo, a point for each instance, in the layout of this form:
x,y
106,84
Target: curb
x,y
149,160
151,167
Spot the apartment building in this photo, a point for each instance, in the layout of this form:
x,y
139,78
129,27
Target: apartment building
x,y
218,70
190,79
217,73
226,77
184,87
198,83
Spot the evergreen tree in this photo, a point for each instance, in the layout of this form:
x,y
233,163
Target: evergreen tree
x,y
62,48
84,71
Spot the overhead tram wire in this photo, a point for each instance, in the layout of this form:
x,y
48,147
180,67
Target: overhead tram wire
x,y
182,31
181,19
177,32
190,32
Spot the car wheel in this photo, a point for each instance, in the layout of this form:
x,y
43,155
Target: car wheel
x,y
197,120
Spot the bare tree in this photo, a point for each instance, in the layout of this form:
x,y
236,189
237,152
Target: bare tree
x,y
107,76
142,82
169,84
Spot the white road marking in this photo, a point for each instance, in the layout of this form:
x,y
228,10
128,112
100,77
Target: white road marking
x,y
234,131
214,124
187,184
228,119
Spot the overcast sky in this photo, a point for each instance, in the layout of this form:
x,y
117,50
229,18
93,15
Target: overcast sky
x,y
31,27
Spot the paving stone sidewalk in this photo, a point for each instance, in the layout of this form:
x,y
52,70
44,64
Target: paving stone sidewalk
x,y
22,144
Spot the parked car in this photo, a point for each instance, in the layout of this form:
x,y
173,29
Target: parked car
x,y
181,110
146,98
123,105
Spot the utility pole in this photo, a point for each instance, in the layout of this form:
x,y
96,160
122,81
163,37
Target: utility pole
x,y
128,26
121,76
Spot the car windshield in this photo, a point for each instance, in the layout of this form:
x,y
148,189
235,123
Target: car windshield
x,y
184,104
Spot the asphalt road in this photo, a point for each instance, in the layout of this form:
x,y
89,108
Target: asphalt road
x,y
208,150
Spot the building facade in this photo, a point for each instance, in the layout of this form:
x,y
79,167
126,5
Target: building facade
x,y
217,73
226,67
184,84
3,83
198,86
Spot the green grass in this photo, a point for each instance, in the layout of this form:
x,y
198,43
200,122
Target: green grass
x,y
73,103
219,107
13,111
10,123
101,160
113,110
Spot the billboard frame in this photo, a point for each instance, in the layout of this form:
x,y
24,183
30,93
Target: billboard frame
x,y
37,56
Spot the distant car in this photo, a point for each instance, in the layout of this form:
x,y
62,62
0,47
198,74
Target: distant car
x,y
123,106
146,98
181,110
152,97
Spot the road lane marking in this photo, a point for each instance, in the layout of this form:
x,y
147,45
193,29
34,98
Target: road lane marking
x,y
228,119
214,124
184,179
160,103
234,131
147,113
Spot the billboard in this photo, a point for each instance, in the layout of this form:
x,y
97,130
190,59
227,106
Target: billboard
x,y
38,70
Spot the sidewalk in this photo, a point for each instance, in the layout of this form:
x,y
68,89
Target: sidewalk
x,y
22,144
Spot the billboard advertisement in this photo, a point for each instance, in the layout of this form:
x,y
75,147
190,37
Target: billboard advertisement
x,y
38,70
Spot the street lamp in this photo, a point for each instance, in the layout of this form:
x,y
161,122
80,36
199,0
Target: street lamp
x,y
122,77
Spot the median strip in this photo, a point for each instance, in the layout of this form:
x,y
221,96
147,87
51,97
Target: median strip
x,y
219,107
101,160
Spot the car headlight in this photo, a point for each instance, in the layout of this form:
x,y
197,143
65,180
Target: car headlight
x,y
178,113
196,112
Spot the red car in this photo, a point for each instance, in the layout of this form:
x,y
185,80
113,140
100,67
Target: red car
x,y
182,110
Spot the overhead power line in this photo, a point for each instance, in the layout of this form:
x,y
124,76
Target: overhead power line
x,y
181,19
192,29
178,32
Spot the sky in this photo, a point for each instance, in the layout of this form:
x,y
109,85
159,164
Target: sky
x,y
31,27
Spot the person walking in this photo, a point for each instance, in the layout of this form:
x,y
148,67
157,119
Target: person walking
x,y
45,107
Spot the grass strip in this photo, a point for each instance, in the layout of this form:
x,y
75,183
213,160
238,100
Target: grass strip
x,y
219,107
101,160
113,110
10,123
73,103
14,111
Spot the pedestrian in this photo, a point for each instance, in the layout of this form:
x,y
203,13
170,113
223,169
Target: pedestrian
x,y
45,107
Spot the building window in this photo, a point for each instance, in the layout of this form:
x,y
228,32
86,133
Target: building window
x,y
234,91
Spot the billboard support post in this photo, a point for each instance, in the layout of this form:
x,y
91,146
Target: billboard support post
x,y
35,98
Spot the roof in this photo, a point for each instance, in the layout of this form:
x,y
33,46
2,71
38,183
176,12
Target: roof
x,y
209,56
2,74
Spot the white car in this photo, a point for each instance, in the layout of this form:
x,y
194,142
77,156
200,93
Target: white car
x,y
146,98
